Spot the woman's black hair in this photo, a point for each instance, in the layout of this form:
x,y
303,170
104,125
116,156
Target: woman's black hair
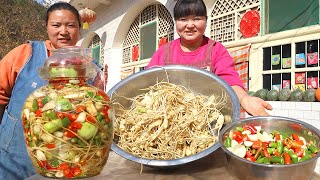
x,y
185,8
63,6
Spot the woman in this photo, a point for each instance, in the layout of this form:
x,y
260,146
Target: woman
x,y
194,49
19,77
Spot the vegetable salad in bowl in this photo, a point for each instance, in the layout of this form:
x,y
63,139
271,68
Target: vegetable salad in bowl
x,y
255,144
270,147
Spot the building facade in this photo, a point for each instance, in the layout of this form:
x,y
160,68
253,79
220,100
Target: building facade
x,y
283,45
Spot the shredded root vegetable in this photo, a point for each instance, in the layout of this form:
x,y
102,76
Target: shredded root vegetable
x,y
169,122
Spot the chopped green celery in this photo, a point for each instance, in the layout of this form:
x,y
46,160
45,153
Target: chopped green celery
x,y
34,105
46,99
97,140
293,156
82,144
99,97
260,160
277,159
27,126
54,163
280,146
312,148
90,94
273,145
227,142
65,122
271,150
99,116
240,129
306,157
50,114
284,135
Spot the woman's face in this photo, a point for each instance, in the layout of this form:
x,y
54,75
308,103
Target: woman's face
x,y
191,28
63,28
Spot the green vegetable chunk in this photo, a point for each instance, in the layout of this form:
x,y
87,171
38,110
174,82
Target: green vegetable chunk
x,y
227,142
87,131
63,72
63,104
53,125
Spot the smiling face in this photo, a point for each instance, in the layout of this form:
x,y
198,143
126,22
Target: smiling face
x,y
63,28
191,29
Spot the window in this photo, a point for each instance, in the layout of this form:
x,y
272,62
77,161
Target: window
x,y
148,40
97,50
226,17
281,70
142,40
280,17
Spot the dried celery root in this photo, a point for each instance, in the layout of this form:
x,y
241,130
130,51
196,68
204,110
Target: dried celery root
x,y
169,122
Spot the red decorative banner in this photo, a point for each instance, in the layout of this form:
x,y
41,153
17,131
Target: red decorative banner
x,y
135,53
162,41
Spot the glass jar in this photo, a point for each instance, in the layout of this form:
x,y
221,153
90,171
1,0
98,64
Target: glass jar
x,y
67,123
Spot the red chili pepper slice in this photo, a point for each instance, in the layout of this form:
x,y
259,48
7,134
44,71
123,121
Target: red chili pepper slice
x,y
295,137
277,137
75,125
69,134
256,144
38,113
72,116
299,152
51,145
80,108
103,94
251,158
63,166
60,115
266,153
76,171
104,112
287,158
91,119
250,128
277,153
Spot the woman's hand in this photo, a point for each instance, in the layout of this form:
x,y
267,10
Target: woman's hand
x,y
253,105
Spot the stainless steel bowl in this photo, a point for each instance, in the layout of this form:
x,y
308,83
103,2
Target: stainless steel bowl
x,y
197,80
244,169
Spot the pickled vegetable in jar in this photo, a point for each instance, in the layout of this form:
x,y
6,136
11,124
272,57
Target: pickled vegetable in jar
x,y
67,123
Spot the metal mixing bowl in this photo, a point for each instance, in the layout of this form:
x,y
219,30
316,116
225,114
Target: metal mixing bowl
x,y
197,80
244,169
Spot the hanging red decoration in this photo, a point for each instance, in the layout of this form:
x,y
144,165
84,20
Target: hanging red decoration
x,y
87,16
250,24
135,53
162,41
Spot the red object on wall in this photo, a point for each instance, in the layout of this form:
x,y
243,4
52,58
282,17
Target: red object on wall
x,y
250,24
162,41
135,53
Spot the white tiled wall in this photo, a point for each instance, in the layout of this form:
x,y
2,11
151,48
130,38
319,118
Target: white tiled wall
x,y
308,112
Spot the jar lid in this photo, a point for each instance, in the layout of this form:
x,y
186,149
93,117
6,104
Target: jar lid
x,y
69,63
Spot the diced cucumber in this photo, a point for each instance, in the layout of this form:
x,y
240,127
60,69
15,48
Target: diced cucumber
x,y
87,131
53,125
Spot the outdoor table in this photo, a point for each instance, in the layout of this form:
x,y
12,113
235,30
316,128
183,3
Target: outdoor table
x,y
213,166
